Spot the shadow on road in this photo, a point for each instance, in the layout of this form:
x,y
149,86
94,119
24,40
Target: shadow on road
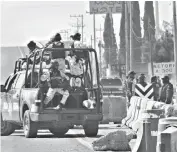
x,y
47,134
67,136
100,128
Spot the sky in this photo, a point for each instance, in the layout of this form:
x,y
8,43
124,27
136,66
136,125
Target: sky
x,y
22,21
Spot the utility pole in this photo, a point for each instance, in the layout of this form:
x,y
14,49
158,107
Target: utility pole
x,y
82,28
157,18
150,42
21,52
175,40
100,46
126,38
100,30
94,31
78,25
100,67
131,38
66,32
91,40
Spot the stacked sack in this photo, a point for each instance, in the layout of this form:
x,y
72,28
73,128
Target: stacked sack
x,y
169,110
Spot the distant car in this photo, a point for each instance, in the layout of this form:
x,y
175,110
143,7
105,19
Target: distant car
x,y
112,87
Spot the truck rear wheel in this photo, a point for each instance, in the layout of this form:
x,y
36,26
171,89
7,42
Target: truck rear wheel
x,y
29,127
91,128
7,128
58,131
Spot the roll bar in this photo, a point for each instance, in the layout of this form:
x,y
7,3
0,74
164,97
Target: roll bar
x,y
48,50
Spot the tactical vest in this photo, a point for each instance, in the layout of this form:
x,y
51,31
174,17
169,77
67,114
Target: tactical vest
x,y
58,45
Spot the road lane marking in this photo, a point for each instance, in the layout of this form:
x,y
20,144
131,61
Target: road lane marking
x,y
82,141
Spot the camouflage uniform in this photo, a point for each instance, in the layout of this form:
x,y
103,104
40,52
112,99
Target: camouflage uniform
x,y
56,85
166,94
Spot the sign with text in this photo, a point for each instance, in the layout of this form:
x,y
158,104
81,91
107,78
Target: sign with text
x,y
164,68
104,7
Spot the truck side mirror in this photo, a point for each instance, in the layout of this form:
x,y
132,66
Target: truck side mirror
x,y
3,88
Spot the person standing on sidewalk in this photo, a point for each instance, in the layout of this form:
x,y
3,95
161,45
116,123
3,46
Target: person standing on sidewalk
x,y
166,93
129,85
156,86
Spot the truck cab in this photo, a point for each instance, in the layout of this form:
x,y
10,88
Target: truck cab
x,y
23,94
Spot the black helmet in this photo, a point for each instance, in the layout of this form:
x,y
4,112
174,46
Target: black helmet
x,y
31,44
77,36
153,78
166,78
142,76
57,37
131,72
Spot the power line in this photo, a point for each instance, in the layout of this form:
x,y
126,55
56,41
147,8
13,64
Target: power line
x,y
66,32
100,30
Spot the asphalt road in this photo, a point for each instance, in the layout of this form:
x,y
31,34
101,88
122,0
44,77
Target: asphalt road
x,y
74,141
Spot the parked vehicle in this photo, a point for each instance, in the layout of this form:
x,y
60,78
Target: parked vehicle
x,y
112,87
114,101
22,99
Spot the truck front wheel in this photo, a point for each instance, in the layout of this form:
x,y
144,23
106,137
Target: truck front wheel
x,y
29,127
7,128
91,128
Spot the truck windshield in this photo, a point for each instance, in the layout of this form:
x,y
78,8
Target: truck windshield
x,y
111,82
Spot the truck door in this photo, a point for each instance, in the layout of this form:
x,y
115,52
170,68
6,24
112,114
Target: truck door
x,y
6,101
16,95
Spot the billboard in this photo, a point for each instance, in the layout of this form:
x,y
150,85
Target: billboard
x,y
103,7
164,68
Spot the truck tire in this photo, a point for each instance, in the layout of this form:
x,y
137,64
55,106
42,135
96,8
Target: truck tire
x,y
7,128
29,127
91,128
58,131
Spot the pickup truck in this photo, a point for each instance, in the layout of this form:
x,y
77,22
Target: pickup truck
x,y
23,94
112,87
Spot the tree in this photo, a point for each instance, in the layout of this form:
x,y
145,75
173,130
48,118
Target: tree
x,y
110,53
164,48
149,21
136,30
122,50
122,28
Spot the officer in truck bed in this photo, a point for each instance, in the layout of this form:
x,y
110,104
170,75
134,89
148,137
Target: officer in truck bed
x,y
32,50
56,42
57,84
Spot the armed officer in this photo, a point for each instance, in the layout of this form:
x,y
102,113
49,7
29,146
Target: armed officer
x,y
57,84
166,93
